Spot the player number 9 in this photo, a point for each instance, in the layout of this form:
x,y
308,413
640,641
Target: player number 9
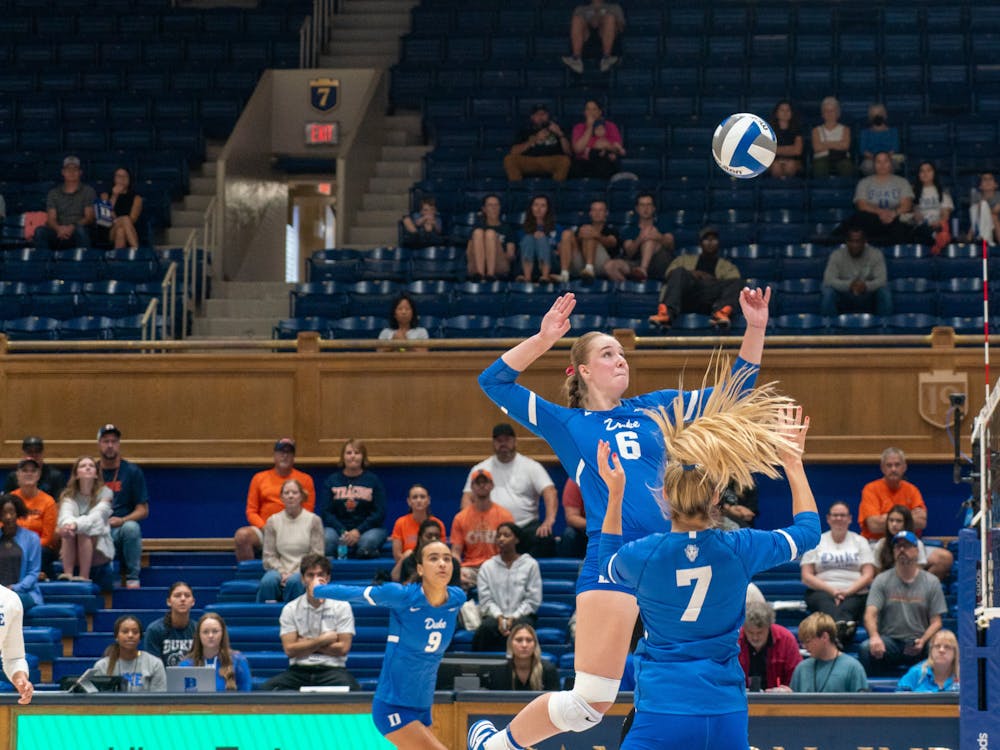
x,y
433,642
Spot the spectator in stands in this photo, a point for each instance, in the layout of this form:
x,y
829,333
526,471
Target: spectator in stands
x,y
70,209
474,528
738,508
406,531
831,143
593,23
881,200
899,518
541,149
490,251
118,213
518,481
838,571
51,480
878,498
20,553
878,138
855,278
573,542
984,210
289,535
594,245
647,248
904,610
788,132
404,323
510,591
525,668
171,637
932,209
130,505
354,505
597,145
405,569
316,635
769,652
42,512
827,670
423,228
540,239
82,524
939,674
264,497
211,648
703,283
142,671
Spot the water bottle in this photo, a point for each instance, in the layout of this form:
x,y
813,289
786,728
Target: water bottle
x,y
341,551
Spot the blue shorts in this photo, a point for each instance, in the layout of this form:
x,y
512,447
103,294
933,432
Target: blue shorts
x,y
389,718
590,578
668,731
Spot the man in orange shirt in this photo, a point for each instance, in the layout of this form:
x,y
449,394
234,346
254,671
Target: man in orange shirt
x,y
474,530
878,498
42,511
264,498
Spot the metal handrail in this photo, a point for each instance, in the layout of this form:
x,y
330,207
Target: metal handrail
x,y
169,303
211,239
188,301
148,323
314,34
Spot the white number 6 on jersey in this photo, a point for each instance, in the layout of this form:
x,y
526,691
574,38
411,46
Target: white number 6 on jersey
x,y
628,445
701,577
433,642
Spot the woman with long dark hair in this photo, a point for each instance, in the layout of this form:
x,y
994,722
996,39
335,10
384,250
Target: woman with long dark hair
x,y
171,636
142,671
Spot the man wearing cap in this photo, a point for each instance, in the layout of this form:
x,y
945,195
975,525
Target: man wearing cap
x,y
518,481
880,495
541,149
903,612
42,511
70,209
51,479
130,504
474,529
264,497
703,283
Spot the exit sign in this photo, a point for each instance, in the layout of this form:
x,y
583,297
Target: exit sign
x,y
322,133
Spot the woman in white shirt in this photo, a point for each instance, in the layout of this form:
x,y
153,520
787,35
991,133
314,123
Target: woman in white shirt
x,y
84,510
831,143
932,207
839,569
288,537
403,320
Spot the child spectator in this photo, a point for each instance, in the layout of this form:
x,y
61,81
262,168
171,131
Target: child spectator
x,y
170,638
288,537
423,228
211,649
143,672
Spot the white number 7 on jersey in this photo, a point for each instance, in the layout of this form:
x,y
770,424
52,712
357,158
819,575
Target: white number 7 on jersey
x,y
701,577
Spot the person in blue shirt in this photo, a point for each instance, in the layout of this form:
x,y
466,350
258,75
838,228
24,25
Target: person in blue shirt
x,y
939,674
598,377
20,553
691,582
421,624
130,505
211,649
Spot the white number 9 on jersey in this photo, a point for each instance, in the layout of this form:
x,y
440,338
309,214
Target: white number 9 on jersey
x,y
628,445
433,642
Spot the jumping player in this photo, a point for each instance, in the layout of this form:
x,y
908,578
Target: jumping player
x,y
421,624
596,383
691,582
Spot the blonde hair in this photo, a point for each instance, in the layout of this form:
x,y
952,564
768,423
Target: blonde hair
x,y
927,666
574,387
739,432
815,625
226,668
535,675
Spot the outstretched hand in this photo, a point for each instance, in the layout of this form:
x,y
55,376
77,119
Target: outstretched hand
x,y
613,474
794,427
555,324
754,304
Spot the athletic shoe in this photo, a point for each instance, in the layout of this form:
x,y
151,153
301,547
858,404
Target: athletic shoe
x,y
720,318
479,732
607,63
638,274
132,583
574,63
587,274
662,317
564,277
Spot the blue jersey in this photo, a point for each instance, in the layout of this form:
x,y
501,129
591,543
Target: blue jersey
x,y
419,634
573,435
691,588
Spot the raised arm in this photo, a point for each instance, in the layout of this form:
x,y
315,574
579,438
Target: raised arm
x,y
554,326
754,304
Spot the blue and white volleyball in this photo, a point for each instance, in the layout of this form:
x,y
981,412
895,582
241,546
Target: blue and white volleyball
x,y
744,145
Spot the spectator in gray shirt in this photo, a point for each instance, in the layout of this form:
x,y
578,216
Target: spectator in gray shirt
x,y
70,209
855,278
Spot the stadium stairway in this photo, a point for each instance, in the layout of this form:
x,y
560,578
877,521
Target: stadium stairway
x,y
188,214
242,309
365,34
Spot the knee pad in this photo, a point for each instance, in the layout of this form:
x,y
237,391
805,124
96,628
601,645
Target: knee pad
x,y
570,710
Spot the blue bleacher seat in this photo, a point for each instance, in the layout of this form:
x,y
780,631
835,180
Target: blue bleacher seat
x,y
114,299
32,328
800,324
69,619
431,298
479,298
913,295
85,328
339,264
322,299
468,326
372,297
84,594
960,297
289,328
358,327
910,323
852,323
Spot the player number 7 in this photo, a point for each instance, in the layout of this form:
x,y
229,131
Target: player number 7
x,y
701,577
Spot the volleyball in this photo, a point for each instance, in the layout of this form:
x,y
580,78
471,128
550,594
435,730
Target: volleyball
x,y
744,145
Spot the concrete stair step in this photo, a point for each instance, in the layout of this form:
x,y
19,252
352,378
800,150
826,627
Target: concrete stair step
x,y
202,185
246,308
378,62
372,7
404,153
372,44
241,328
180,217
176,236
376,218
385,202
359,236
208,169
194,202
258,290
394,185
399,169
213,150
361,21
